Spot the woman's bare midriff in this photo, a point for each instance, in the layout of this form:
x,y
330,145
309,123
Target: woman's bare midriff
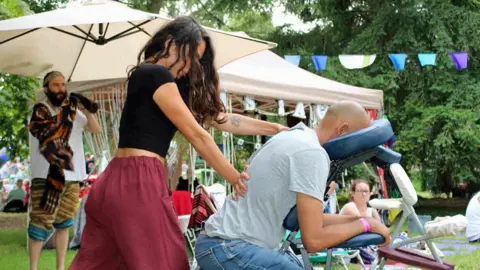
x,y
133,152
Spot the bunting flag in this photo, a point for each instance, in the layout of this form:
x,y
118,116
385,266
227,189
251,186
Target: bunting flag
x,y
460,59
320,111
249,104
356,61
293,59
427,59
299,111
281,107
398,60
320,62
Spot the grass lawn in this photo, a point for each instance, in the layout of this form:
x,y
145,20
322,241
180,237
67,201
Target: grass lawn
x,y
13,246
14,255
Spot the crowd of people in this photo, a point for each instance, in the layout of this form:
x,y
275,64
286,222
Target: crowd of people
x,y
14,185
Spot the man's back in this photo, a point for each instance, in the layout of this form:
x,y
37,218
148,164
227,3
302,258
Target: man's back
x,y
282,167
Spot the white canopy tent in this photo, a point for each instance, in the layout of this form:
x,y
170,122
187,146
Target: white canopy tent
x,y
268,77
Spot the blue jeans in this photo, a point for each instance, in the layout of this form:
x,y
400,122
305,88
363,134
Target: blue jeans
x,y
214,253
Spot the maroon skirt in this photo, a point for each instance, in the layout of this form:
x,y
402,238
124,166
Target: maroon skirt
x,y
131,222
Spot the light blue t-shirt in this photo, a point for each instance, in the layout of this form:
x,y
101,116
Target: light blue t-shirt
x,y
290,162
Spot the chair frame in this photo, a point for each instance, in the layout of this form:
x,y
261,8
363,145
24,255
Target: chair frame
x,y
409,211
336,167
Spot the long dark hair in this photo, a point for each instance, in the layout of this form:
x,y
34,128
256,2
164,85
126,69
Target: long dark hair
x,y
204,101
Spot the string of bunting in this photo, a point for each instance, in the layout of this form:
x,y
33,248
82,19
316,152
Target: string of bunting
x,y
250,106
460,59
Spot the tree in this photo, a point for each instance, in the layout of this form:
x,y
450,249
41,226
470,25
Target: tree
x,y
434,110
38,6
15,93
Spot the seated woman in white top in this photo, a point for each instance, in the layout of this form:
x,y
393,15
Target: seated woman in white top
x,y
473,219
359,197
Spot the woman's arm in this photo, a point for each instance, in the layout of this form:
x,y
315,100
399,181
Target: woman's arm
x,y
243,125
168,98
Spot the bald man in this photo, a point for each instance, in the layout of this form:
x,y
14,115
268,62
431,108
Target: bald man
x,y
291,168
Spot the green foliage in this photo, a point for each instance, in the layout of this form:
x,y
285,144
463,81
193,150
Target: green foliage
x,y
15,94
38,6
434,110
12,8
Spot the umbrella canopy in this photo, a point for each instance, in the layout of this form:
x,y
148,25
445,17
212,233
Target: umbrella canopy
x,y
95,41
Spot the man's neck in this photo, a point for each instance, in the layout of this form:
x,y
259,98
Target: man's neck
x,y
322,133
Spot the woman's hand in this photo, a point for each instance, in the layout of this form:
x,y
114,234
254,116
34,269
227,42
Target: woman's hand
x,y
239,187
280,128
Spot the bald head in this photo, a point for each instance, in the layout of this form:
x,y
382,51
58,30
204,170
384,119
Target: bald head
x,y
342,118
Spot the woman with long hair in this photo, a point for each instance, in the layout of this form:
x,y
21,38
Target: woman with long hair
x,y
131,223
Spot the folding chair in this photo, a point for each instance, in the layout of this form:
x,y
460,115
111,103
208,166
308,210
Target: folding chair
x,y
344,152
396,251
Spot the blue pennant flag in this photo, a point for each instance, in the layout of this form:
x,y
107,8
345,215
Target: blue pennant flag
x,y
427,59
320,62
293,59
398,60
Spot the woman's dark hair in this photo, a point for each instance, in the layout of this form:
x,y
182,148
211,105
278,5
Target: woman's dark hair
x,y
204,101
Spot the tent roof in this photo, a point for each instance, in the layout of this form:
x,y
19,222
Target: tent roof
x,y
269,77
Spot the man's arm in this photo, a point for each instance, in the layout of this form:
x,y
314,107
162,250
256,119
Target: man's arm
x,y
308,177
320,231
92,124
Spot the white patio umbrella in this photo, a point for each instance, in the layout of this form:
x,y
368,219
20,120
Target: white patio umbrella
x,y
95,41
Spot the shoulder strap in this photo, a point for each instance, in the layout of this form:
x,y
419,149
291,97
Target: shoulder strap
x,y
370,212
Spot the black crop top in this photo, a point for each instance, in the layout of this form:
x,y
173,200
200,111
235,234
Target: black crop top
x,y
143,124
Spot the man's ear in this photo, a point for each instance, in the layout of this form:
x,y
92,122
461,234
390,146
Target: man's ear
x,y
343,129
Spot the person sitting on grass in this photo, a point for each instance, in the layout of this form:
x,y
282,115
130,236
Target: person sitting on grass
x,y
14,199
